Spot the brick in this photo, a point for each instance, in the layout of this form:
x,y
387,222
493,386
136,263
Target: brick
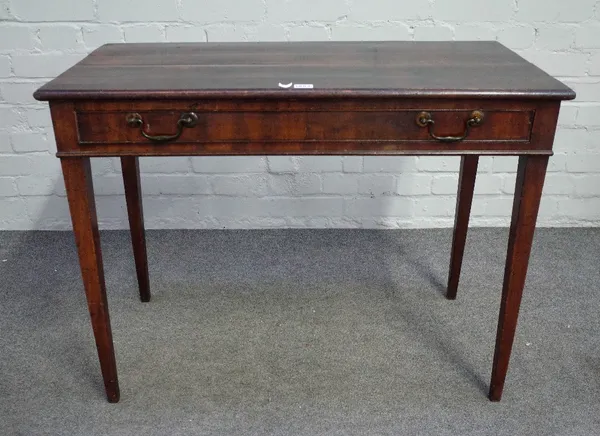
x,y
5,12
433,33
19,93
588,91
5,146
594,67
16,37
583,163
282,164
96,35
554,11
319,163
434,206
13,214
60,37
188,184
225,33
588,116
505,164
5,68
38,117
341,184
352,164
568,115
25,142
588,35
580,208
295,184
46,211
378,32
306,10
229,164
569,139
184,33
488,184
43,65
165,164
265,32
372,184
385,10
474,32
413,184
517,37
7,187
8,119
242,186
309,33
444,185
207,11
439,163
144,33
133,10
559,184
555,38
379,206
587,185
35,185
389,164
558,64
466,10
68,10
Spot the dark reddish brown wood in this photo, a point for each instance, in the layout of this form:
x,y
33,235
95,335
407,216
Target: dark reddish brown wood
x,y
365,101
466,186
80,193
452,70
317,125
133,195
528,193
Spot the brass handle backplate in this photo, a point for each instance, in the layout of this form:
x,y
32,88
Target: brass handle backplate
x,y
424,119
187,119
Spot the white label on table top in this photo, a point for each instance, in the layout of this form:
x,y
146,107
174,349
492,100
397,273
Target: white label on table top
x,y
303,86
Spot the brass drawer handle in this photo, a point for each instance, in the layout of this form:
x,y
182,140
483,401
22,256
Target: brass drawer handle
x,y
424,119
187,119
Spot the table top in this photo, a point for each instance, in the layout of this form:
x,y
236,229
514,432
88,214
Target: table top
x,y
478,69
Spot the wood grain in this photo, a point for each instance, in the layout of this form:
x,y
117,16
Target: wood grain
x,y
133,195
80,193
336,69
528,193
466,187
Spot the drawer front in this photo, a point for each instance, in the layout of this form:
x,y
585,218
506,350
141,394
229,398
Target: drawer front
x,y
115,127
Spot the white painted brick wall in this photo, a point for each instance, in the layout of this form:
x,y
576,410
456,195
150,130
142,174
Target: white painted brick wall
x,y
40,38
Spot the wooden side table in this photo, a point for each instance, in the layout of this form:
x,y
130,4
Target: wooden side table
x,y
324,98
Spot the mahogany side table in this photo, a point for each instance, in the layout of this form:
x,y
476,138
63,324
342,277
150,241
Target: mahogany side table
x,y
314,98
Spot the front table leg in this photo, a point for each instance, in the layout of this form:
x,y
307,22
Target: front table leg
x,y
528,192
80,193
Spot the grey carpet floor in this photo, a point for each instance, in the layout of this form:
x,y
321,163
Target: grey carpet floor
x,y
300,332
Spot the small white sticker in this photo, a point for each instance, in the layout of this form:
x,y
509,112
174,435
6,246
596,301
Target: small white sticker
x,y
303,86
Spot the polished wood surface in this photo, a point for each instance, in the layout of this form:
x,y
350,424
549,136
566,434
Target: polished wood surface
x,y
80,193
466,187
133,195
366,100
335,69
528,193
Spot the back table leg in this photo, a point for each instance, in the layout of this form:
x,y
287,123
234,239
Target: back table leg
x,y
133,196
466,186
528,192
80,192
